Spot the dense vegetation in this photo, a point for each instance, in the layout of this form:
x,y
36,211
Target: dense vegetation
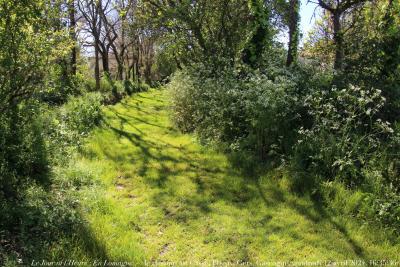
x,y
333,125
319,124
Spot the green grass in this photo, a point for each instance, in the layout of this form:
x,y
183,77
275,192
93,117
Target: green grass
x,y
164,197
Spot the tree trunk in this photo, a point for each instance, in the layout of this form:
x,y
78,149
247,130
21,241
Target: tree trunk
x,y
338,39
120,71
120,62
261,39
96,65
105,61
137,72
147,73
293,32
72,30
106,65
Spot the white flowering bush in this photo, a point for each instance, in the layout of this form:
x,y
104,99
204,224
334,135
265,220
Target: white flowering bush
x,y
213,107
249,112
346,132
273,111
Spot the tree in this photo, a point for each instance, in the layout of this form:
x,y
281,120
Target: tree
x,y
205,30
29,43
318,44
261,36
30,52
72,31
115,31
293,25
373,52
337,9
91,11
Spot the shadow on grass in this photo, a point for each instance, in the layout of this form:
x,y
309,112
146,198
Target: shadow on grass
x,y
168,157
93,248
321,215
315,213
166,162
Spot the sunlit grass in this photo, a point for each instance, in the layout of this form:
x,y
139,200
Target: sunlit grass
x,y
164,197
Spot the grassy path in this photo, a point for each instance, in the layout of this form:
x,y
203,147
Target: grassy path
x,y
166,198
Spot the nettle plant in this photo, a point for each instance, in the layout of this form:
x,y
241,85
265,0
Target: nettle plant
x,y
346,131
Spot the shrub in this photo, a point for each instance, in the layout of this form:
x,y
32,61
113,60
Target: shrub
x,y
248,112
382,203
345,134
340,148
214,107
37,220
23,153
182,93
128,87
105,84
56,89
66,126
89,84
350,155
34,140
274,110
82,113
140,87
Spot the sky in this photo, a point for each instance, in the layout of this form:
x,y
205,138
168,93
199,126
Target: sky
x,y
307,18
306,13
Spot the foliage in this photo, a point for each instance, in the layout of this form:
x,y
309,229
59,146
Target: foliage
x,y
112,90
214,107
346,131
261,38
327,127
274,112
56,91
23,152
297,118
28,46
65,127
253,112
352,155
166,62
373,49
38,199
44,218
353,142
202,30
183,100
374,202
37,219
318,44
82,113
